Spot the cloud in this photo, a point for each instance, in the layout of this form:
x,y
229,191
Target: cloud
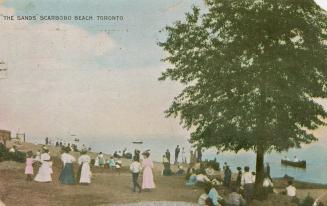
x,y
48,42
56,86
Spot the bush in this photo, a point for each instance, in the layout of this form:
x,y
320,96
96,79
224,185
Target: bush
x,y
308,201
5,155
211,163
17,156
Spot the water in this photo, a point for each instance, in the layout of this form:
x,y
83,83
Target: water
x,y
315,155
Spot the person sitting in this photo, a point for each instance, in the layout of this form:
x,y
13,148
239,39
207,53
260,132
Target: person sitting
x,y
202,178
253,177
112,163
214,196
267,186
267,183
203,198
235,199
119,163
166,171
296,159
290,189
210,172
180,170
192,179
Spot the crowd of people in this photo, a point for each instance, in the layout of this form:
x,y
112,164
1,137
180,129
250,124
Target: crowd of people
x,y
44,162
241,187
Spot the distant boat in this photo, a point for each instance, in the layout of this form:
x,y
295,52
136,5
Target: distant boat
x,y
301,164
137,142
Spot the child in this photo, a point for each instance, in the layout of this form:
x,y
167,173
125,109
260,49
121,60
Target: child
x,y
112,163
135,169
29,166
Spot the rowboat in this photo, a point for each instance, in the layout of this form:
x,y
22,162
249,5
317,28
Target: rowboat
x,y
301,164
137,142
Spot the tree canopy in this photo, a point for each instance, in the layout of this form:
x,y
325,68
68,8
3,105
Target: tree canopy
x,y
251,70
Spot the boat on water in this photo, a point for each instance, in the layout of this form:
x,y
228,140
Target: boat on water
x,y
137,142
301,164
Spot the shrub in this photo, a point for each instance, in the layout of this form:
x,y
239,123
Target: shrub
x,y
308,201
211,163
14,156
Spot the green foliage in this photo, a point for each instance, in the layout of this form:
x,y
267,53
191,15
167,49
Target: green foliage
x,y
251,71
5,155
211,163
308,201
3,152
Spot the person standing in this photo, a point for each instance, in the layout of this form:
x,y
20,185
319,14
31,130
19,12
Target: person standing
x,y
101,159
29,166
137,155
45,170
168,155
147,166
177,151
267,170
199,154
183,155
67,173
85,171
135,168
227,176
247,183
239,177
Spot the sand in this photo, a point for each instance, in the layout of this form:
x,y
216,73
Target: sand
x,y
109,187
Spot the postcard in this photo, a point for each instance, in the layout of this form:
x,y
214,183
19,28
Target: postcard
x,y
166,102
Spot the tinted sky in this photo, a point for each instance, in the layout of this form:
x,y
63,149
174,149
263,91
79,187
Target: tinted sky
x,y
89,78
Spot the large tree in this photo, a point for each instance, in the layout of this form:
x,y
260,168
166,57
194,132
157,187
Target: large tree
x,y
251,70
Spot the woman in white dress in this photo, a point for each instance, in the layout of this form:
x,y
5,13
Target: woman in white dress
x,y
96,163
67,173
45,170
84,162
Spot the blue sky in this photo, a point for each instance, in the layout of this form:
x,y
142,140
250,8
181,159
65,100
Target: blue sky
x,y
89,78
136,35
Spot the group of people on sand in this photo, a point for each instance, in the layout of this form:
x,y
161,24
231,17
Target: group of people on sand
x,y
112,163
44,174
45,171
241,191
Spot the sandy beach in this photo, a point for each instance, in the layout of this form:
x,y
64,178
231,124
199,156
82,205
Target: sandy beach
x,y
109,187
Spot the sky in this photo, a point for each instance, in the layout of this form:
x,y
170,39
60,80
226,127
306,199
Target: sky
x,y
89,78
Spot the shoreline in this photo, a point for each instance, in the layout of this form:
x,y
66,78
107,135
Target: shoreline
x,y
55,151
111,187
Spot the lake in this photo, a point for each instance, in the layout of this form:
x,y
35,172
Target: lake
x,y
315,155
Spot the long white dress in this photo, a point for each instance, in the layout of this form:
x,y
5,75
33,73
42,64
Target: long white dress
x,y
85,160
45,171
96,163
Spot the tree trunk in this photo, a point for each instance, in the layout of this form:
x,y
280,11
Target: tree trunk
x,y
259,169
